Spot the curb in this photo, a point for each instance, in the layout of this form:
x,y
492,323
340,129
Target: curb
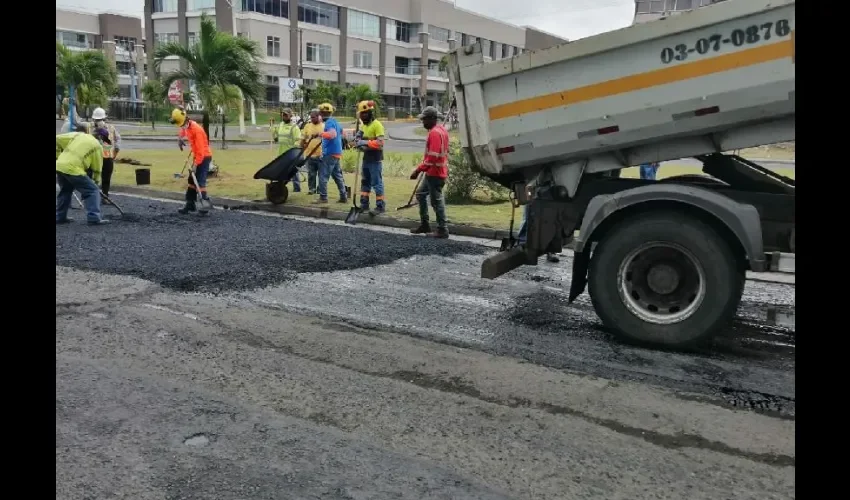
x,y
317,213
404,139
170,138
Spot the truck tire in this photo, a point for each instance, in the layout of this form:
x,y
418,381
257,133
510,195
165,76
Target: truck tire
x,y
664,279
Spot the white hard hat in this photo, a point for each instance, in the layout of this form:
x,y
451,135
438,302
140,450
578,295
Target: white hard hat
x,y
98,114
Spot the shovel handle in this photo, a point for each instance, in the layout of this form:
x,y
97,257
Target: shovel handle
x,y
415,188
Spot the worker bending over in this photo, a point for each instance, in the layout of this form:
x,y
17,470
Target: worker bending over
x,y
436,170
77,152
313,148
287,135
331,154
371,143
194,133
110,151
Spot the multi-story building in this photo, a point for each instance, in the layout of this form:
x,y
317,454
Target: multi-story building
x,y
394,46
119,36
652,10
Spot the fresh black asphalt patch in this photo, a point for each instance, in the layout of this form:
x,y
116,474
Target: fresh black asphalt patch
x,y
229,251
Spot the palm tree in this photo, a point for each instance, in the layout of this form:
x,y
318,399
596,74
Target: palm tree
x,y
217,61
154,93
89,71
361,92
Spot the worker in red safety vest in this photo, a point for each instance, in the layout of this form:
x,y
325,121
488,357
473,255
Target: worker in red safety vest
x,y
435,167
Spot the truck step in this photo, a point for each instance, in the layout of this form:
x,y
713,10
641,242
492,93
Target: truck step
x,y
781,262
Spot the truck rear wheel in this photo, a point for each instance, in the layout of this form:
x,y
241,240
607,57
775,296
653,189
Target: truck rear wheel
x,y
664,279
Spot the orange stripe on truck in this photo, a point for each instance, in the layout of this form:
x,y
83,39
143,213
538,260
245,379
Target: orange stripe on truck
x,y
640,81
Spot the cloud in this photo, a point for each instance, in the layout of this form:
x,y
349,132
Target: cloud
x,y
571,19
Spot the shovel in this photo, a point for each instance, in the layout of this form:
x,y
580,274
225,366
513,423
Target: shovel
x,y
355,210
205,203
185,164
410,201
112,203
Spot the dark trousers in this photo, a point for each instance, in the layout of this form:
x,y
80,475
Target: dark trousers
x,y
432,187
201,172
106,175
88,190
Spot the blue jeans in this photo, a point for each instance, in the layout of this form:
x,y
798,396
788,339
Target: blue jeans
x,y
89,192
648,171
330,168
201,172
372,179
313,167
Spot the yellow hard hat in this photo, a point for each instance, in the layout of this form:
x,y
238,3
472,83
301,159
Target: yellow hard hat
x,y
326,107
178,117
365,106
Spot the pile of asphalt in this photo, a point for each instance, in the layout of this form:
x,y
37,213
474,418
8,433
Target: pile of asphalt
x,y
228,251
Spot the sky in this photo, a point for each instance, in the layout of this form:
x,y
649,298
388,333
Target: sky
x,y
570,19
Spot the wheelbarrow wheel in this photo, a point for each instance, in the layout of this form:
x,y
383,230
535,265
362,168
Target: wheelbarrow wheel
x,y
277,192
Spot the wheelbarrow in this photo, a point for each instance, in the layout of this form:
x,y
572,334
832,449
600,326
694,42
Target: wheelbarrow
x,y
280,171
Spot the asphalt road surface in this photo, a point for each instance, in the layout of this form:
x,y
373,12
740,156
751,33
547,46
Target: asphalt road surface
x,y
247,356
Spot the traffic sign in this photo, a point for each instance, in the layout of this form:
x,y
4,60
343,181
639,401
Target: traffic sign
x,y
288,88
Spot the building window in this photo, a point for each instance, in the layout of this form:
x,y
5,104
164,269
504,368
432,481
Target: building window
x,y
438,34
161,38
78,40
308,82
200,4
273,46
486,47
272,80
318,53
399,31
362,59
363,24
313,12
165,6
276,8
684,4
468,40
404,66
123,67
192,39
127,43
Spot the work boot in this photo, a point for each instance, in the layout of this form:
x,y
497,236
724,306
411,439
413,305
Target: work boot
x,y
423,228
66,220
550,257
342,199
320,201
441,233
101,222
378,211
188,207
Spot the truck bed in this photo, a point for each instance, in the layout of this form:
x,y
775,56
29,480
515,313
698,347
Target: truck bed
x,y
715,79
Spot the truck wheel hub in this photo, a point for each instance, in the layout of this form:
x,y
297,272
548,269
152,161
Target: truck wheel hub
x,y
661,283
662,279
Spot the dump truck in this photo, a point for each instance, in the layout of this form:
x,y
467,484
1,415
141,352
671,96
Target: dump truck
x,y
664,261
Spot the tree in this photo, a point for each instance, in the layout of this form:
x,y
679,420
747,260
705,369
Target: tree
x,y
217,61
228,98
327,92
90,72
154,93
361,92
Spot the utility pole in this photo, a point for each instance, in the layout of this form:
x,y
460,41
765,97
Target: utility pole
x,y
301,65
241,97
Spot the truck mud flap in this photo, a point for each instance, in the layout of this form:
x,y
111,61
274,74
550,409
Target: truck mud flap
x,y
579,277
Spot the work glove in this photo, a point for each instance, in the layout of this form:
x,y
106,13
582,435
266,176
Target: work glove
x,y
414,175
358,136
362,145
181,143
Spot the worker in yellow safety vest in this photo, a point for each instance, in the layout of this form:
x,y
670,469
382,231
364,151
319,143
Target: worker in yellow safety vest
x,y
288,136
110,151
77,152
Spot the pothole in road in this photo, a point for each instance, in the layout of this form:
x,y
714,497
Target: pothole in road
x,y
197,440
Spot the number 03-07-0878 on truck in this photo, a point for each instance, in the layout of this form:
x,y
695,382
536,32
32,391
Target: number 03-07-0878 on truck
x,y
749,35
664,261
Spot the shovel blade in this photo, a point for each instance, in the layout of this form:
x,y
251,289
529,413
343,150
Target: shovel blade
x,y
409,205
353,215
